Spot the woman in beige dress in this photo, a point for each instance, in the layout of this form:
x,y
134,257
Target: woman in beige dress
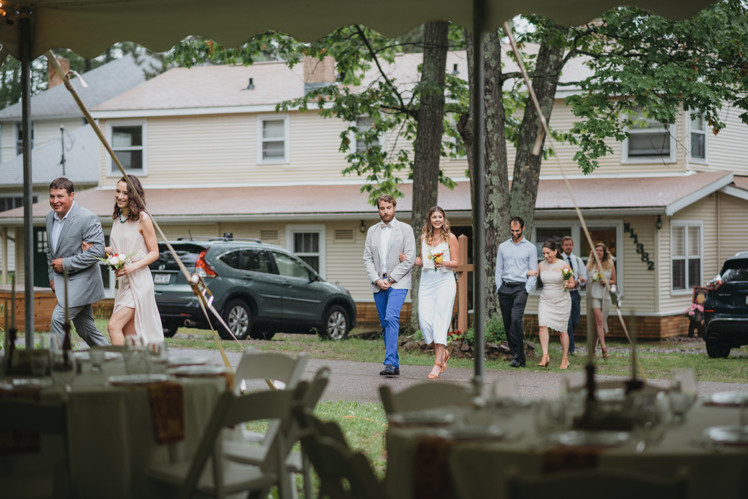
x,y
135,311
599,280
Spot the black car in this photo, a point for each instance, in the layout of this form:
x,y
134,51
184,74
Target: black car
x,y
726,307
259,289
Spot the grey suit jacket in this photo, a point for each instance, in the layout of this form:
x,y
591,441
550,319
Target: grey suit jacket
x,y
84,275
402,240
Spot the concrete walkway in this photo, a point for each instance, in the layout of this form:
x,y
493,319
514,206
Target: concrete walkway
x,y
360,380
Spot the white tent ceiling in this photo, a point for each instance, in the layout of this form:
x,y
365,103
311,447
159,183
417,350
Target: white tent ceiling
x,y
89,27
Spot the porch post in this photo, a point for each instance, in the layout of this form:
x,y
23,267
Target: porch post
x,y
28,224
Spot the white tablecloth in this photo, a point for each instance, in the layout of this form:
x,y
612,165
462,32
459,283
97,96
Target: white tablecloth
x,y
112,437
477,468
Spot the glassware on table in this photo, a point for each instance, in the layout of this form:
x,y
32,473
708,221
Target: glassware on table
x,y
650,412
158,359
97,355
683,392
504,389
40,362
63,369
135,354
550,416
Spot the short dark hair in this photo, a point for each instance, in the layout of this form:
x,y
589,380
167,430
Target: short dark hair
x,y
62,183
518,220
387,198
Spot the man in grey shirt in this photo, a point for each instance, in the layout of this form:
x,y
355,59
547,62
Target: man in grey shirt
x,y
515,257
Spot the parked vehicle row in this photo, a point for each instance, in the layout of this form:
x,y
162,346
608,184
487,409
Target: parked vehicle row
x,y
726,307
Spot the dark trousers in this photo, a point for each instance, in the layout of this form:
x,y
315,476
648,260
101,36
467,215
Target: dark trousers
x,y
574,317
512,301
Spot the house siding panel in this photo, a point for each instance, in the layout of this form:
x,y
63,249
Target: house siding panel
x,y
726,150
733,237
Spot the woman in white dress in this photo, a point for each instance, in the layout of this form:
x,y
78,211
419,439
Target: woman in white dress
x,y
436,292
555,301
135,311
599,280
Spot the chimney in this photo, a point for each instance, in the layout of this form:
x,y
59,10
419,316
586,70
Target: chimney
x,y
318,73
55,80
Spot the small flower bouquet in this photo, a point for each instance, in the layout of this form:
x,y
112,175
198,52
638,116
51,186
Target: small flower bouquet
x,y
567,274
695,312
436,258
597,276
116,261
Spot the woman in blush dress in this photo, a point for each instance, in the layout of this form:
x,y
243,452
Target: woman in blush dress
x,y
135,311
437,289
598,297
555,301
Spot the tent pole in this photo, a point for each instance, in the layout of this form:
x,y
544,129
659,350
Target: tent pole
x,y
28,191
479,190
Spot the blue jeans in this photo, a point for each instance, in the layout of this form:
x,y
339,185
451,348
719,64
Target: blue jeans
x,y
388,305
574,317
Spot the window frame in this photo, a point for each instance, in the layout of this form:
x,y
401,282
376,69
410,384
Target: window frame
x,y
354,139
18,140
261,119
627,159
320,229
686,223
691,132
113,171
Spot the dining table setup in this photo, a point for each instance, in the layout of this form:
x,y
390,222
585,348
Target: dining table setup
x,y
128,409
472,450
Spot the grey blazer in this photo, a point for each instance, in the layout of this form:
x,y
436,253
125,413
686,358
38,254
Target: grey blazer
x,y
402,240
84,276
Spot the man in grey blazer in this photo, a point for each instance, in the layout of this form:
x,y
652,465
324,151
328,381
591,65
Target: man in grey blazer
x,y
389,277
68,225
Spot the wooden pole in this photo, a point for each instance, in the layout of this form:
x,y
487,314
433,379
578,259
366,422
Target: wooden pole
x,y
463,269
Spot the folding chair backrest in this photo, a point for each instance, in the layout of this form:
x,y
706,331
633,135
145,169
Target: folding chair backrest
x,y
423,396
255,365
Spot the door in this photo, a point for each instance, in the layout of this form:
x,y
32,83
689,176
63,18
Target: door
x,y
301,293
41,269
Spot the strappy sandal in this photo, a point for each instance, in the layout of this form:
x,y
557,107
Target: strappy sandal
x,y
446,358
436,376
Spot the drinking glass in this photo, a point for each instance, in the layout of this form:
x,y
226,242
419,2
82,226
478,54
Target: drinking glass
x,y
550,416
136,357
504,389
97,356
684,381
63,369
157,357
40,363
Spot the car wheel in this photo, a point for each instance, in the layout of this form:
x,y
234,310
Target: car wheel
x,y
262,335
336,325
170,329
238,318
716,349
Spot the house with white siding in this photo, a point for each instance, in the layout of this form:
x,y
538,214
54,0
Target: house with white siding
x,y
215,157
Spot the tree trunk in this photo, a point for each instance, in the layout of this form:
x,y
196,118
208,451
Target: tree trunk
x,y
526,178
497,182
430,130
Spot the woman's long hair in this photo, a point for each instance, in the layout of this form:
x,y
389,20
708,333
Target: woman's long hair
x,y
606,260
553,246
428,229
134,204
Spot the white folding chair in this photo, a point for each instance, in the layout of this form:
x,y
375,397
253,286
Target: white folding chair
x,y
308,394
211,473
423,396
619,484
343,473
47,480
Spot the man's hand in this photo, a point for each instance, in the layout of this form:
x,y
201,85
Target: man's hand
x,y
52,284
383,284
57,265
86,245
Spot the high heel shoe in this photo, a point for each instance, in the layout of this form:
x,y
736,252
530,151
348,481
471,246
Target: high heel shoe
x,y
605,352
547,359
564,363
436,376
446,358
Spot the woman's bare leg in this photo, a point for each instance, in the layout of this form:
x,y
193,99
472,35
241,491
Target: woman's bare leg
x,y
120,323
544,340
564,350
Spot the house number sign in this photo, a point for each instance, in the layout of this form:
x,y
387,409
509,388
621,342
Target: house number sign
x,y
639,246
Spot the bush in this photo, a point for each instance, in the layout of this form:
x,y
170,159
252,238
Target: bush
x,y
493,331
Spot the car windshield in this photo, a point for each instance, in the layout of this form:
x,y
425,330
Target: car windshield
x,y
187,252
735,271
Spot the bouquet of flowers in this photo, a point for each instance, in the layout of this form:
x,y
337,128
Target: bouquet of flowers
x,y
566,274
436,258
597,276
117,260
695,312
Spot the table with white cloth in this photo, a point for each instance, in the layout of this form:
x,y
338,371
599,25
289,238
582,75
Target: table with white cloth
x,y
441,460
112,436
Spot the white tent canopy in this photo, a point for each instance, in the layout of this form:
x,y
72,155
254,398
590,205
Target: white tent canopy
x,y
88,27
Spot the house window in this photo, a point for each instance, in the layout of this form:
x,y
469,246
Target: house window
x,y
127,142
10,202
308,243
698,138
649,140
365,124
273,138
685,253
19,137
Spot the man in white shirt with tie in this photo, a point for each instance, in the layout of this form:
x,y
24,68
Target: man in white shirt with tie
x,y
389,278
580,274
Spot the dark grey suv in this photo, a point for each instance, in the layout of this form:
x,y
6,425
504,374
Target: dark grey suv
x,y
259,289
726,307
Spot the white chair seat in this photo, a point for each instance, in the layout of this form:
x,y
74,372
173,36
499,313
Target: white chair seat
x,y
237,477
254,454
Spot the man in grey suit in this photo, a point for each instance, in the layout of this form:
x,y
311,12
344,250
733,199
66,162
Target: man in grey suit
x,y
68,225
389,277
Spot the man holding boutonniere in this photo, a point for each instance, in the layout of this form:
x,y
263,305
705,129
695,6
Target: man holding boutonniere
x,y
516,258
389,277
580,274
